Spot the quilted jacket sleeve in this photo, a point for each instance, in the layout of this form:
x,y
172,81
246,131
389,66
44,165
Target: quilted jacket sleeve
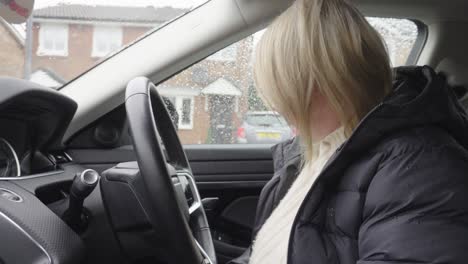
x,y
416,209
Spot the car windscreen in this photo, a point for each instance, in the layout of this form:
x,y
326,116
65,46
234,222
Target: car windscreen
x,y
63,39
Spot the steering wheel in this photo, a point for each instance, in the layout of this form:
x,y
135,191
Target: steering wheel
x,y
173,208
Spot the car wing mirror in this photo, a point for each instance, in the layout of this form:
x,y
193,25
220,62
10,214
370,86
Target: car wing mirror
x,y
16,11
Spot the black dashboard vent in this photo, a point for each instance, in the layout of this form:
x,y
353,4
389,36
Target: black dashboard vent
x,y
60,157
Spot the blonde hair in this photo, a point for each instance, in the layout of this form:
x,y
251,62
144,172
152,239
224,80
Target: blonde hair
x,y
326,45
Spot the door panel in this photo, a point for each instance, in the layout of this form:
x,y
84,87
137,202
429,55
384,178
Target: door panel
x,y
229,178
102,159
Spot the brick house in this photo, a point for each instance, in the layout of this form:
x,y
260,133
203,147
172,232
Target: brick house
x,y
209,97
68,39
11,52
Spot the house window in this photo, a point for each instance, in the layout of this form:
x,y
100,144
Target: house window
x,y
184,106
227,54
106,39
53,40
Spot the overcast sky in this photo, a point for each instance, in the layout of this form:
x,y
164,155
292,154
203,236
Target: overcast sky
x,y
173,3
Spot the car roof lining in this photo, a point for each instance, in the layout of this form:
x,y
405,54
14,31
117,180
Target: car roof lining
x,y
426,11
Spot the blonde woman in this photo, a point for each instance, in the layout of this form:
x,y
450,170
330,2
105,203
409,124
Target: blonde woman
x,y
384,171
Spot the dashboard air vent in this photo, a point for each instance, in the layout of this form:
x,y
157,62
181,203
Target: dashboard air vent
x,y
60,157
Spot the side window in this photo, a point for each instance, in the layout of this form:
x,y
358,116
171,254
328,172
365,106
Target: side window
x,y
399,35
216,99
227,54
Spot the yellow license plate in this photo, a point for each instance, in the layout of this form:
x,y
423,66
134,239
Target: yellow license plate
x,y
268,135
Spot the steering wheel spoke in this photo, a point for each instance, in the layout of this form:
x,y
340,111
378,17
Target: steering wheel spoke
x,y
185,181
187,194
192,196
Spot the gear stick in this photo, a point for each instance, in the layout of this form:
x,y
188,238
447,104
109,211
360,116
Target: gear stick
x,y
83,184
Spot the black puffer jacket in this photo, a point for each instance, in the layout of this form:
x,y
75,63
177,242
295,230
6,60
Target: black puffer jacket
x,y
395,192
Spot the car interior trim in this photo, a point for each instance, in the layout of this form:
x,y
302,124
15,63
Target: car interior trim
x,y
418,46
32,176
27,235
68,156
197,203
219,185
20,199
15,156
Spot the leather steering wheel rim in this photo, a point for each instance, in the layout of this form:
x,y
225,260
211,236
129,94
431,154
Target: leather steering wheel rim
x,y
187,237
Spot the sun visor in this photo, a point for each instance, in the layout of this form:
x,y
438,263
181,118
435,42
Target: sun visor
x,y
16,11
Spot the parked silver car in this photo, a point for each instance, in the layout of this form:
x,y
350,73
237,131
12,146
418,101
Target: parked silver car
x,y
263,127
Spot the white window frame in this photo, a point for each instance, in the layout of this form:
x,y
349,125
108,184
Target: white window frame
x,y
178,104
42,50
222,55
105,29
207,102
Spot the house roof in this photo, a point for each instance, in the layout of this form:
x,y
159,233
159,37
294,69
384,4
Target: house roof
x,y
109,13
222,87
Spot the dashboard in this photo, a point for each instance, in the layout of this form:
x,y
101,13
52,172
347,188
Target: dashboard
x,y
33,120
14,144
